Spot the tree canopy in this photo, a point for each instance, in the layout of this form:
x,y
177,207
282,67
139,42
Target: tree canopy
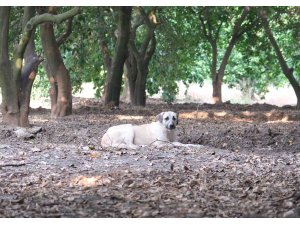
x,y
238,46
182,52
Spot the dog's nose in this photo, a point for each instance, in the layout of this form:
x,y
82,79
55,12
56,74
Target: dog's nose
x,y
172,126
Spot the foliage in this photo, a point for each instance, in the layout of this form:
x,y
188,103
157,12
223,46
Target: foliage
x,y
177,56
182,53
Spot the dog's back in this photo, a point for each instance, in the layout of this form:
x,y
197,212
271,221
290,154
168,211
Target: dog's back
x,y
116,135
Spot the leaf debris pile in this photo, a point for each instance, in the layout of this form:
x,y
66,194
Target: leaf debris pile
x,y
244,168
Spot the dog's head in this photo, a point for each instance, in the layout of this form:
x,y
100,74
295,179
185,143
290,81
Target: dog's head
x,y
168,119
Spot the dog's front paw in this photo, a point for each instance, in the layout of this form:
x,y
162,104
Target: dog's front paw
x,y
134,147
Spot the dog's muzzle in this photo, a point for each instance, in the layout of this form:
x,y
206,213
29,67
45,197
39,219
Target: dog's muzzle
x,y
171,126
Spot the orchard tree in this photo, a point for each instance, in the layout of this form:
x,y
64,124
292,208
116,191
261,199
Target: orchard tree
x,y
58,75
114,65
82,52
178,55
11,72
288,71
213,22
142,46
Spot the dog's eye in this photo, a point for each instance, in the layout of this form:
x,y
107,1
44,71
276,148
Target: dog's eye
x,y
167,118
174,118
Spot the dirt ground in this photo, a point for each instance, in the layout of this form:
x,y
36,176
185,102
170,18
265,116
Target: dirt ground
x,y
247,164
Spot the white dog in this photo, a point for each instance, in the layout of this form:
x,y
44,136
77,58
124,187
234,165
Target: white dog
x,y
157,133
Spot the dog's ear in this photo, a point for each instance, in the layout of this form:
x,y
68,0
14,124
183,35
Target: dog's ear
x,y
160,117
177,115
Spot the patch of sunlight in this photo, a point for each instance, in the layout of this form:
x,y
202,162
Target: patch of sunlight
x,y
19,63
283,120
124,117
93,181
220,114
40,120
194,115
63,99
242,120
247,113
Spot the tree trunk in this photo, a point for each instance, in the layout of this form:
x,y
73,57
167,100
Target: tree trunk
x,y
10,100
217,85
28,72
288,72
217,91
218,79
138,61
125,94
136,80
131,67
114,77
58,75
237,32
16,80
139,95
137,77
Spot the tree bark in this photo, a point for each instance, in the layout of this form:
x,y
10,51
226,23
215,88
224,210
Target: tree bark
x,y
131,66
10,106
102,41
29,70
288,72
114,77
58,75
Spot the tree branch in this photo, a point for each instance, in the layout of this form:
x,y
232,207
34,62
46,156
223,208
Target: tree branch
x,y
150,29
232,42
208,23
103,44
66,34
34,21
263,16
207,35
237,26
150,51
288,72
29,67
136,24
4,26
245,29
203,26
218,30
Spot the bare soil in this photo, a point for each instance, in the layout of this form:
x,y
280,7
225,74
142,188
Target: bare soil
x,y
247,164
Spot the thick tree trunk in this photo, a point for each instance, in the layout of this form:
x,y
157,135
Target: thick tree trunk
x,y
218,79
237,32
138,61
58,75
216,84
28,72
131,68
16,80
103,42
139,96
136,80
288,72
114,77
217,91
10,100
